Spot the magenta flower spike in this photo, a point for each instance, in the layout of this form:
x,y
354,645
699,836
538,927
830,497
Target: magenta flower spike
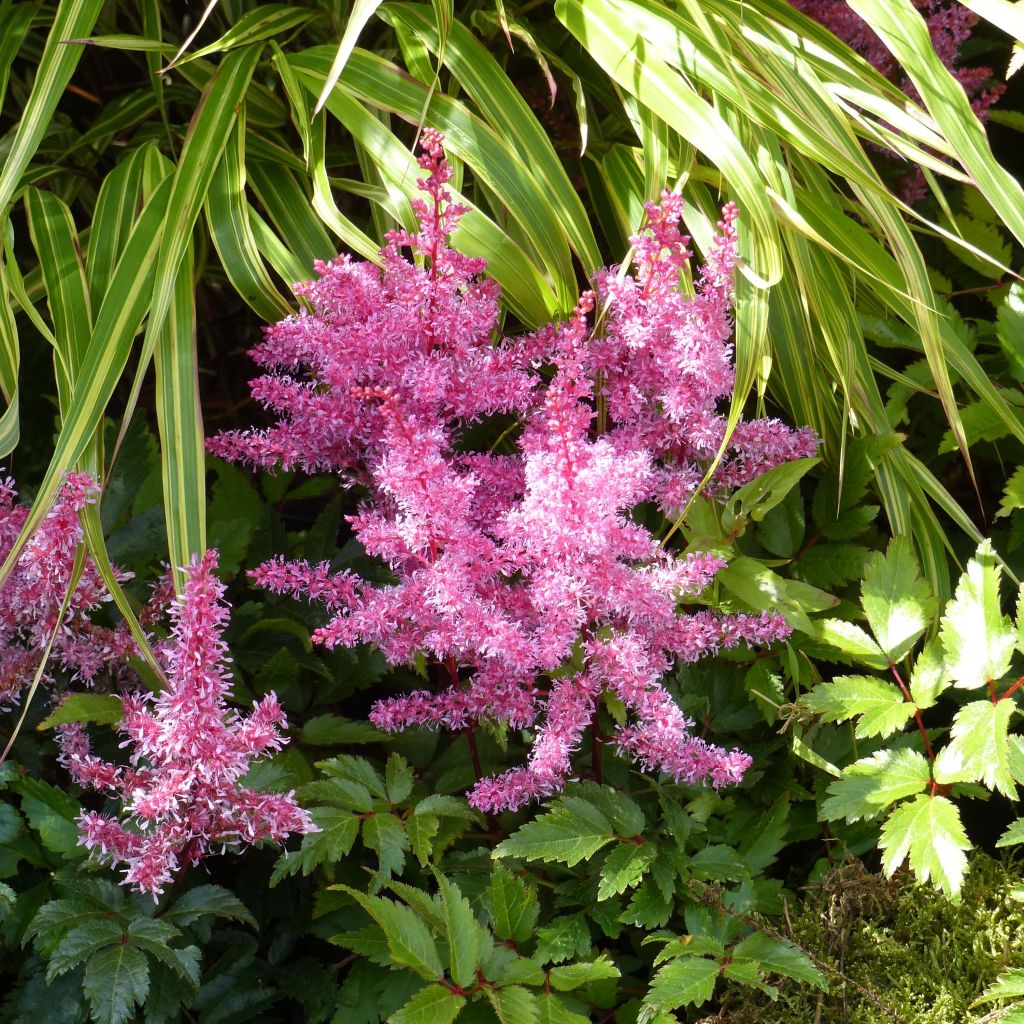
x,y
521,573
181,792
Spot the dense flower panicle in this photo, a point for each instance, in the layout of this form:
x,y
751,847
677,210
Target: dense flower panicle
x,y
31,598
181,791
524,578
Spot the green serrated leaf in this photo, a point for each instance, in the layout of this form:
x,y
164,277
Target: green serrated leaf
x,y
853,641
383,833
898,602
977,638
571,976
553,1011
514,1005
563,939
82,942
1014,835
873,783
103,709
568,836
775,956
1009,985
928,829
624,867
421,829
431,1005
206,900
338,831
409,940
688,981
397,778
929,676
979,749
878,704
461,928
116,980
514,906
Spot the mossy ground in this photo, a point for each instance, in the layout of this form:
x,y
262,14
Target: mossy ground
x,y
895,951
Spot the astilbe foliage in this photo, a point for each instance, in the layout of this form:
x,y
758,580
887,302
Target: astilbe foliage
x,y
523,578
181,792
32,596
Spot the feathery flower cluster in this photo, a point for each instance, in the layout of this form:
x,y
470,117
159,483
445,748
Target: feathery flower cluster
x,y
31,597
524,578
182,792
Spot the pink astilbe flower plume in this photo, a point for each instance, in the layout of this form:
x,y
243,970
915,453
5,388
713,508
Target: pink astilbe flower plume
x,y
523,578
181,791
32,596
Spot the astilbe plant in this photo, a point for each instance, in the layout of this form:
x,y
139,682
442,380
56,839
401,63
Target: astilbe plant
x,y
523,578
181,793
32,597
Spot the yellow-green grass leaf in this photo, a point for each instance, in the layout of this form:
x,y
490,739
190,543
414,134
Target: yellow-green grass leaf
x,y
504,109
56,66
606,32
524,287
362,11
180,424
117,322
1002,13
67,294
494,161
10,364
227,219
268,21
17,20
905,34
112,219
288,206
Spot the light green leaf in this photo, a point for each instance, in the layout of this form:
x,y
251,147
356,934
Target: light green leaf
x,y
1009,985
560,835
688,981
103,709
338,831
878,703
116,981
757,498
978,639
979,747
554,1011
421,829
624,867
571,976
929,677
777,957
1013,493
1014,835
397,778
928,829
409,940
514,1005
431,1005
82,942
360,14
853,641
873,783
898,603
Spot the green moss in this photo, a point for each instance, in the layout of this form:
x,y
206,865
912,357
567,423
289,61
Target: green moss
x,y
897,951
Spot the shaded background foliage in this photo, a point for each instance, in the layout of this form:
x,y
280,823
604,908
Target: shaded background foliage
x,y
897,333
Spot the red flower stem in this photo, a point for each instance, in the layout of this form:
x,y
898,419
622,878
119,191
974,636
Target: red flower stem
x,y
917,713
1013,689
